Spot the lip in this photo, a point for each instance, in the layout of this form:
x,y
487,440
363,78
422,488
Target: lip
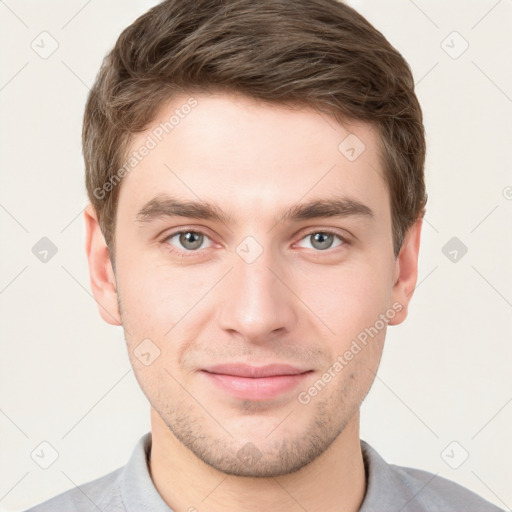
x,y
255,382
247,370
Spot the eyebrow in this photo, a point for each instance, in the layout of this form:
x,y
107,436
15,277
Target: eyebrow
x,y
163,206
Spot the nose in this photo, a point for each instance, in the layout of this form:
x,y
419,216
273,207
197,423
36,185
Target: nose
x,y
257,300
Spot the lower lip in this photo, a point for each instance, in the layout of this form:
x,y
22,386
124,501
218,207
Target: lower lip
x,y
256,388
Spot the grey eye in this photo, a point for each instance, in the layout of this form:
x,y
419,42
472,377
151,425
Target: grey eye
x,y
189,240
322,240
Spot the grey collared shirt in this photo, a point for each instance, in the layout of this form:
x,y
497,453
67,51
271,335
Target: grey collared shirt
x,y
390,488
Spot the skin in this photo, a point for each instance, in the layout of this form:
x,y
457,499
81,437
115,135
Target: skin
x,y
294,304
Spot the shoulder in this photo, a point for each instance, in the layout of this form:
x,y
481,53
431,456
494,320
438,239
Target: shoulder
x,y
129,486
436,493
100,494
414,490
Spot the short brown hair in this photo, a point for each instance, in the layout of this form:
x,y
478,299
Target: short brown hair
x,y
311,53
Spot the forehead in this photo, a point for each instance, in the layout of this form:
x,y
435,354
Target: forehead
x,y
250,157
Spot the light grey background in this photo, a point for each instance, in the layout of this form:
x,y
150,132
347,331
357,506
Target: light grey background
x,y
445,375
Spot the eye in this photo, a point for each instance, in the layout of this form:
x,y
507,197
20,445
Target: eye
x,y
188,240
323,240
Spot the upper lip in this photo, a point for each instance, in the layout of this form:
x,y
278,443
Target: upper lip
x,y
246,370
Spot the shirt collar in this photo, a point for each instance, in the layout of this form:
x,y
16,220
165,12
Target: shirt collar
x,y
138,491
385,489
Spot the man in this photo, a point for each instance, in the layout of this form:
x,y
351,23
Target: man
x,y
255,172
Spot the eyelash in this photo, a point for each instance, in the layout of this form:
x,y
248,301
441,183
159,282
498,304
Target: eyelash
x,y
188,254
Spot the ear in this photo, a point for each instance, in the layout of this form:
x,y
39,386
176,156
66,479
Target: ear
x,y
406,271
101,274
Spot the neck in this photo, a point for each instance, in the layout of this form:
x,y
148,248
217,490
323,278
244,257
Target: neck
x,y
333,481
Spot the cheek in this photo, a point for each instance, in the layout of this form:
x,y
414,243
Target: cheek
x,y
154,297
160,305
158,383
348,299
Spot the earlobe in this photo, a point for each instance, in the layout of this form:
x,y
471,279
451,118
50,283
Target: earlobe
x,y
406,271
101,273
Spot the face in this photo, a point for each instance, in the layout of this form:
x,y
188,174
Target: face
x,y
255,326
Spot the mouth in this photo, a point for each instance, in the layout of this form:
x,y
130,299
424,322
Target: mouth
x,y
255,382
